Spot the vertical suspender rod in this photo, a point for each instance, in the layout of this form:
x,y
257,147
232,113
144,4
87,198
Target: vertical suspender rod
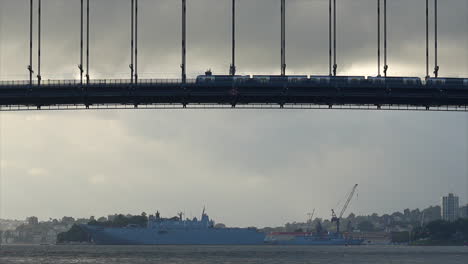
x,y
330,37
335,66
182,66
132,53
87,41
80,66
385,39
39,44
232,70
30,66
436,68
283,37
136,41
427,39
378,38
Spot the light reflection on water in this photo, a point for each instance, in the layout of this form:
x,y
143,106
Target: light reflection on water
x,y
231,254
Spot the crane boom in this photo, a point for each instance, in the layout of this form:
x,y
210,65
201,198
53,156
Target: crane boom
x,y
336,218
348,201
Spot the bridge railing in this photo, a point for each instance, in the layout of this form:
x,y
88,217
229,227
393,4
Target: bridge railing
x,y
93,82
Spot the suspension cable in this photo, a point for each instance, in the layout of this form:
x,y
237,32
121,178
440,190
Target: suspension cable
x,y
335,66
39,43
183,41
87,41
436,68
385,39
427,39
136,41
330,37
30,67
378,38
132,50
283,37
80,67
232,70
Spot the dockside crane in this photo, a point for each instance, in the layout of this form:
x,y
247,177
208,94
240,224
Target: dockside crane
x,y
311,219
311,215
338,218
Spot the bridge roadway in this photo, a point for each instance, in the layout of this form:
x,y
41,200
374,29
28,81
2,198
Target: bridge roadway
x,y
98,94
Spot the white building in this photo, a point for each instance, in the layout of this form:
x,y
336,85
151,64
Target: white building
x,y
450,208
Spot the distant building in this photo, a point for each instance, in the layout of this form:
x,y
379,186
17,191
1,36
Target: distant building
x,y
450,208
464,211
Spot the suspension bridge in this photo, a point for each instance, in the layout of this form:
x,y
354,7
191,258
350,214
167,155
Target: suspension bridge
x,y
282,91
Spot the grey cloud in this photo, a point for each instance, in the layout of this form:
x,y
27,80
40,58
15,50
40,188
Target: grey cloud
x,y
257,168
209,36
249,167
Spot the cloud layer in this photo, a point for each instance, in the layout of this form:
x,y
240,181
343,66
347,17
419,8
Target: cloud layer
x,y
248,167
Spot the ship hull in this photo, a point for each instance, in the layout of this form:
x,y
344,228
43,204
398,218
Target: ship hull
x,y
320,242
331,239
143,236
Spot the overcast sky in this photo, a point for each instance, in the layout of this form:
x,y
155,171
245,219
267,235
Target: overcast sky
x,y
248,167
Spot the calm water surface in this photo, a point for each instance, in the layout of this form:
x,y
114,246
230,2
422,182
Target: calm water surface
x,y
236,254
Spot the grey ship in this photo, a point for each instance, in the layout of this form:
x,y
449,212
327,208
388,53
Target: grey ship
x,y
174,231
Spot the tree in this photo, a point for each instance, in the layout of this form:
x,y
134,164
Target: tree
x,y
366,226
443,230
68,220
400,237
120,221
318,227
75,234
407,212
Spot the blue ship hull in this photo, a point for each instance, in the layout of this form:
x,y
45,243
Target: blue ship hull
x,y
331,242
312,239
145,236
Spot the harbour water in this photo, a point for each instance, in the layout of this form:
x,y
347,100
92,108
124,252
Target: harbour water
x,y
231,254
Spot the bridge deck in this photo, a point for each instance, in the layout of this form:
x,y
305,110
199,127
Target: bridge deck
x,y
174,94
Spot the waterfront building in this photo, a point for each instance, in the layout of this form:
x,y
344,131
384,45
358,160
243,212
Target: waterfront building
x,y
464,211
450,208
